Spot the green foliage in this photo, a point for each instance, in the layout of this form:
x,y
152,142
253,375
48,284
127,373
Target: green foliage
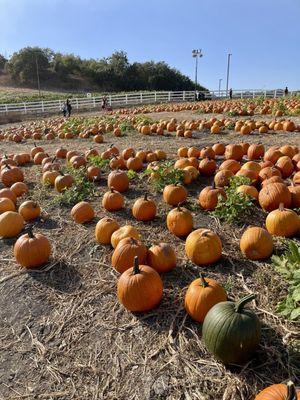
x,y
81,190
99,162
236,205
288,266
165,175
126,126
23,64
113,73
132,174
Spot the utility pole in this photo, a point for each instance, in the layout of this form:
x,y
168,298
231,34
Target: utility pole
x,y
220,80
37,75
196,54
228,67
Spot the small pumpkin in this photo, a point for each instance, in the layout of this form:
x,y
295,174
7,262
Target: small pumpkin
x,y
272,195
82,212
203,247
174,194
125,252
10,175
180,221
124,232
248,190
209,197
104,229
279,391
11,224
6,205
113,200
19,188
283,222
8,194
256,243
202,294
144,209
162,257
207,167
63,182
32,250
118,180
231,332
140,288
29,210
222,178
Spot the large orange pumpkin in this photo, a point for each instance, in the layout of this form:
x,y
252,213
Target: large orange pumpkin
x,y
140,288
125,252
256,243
203,247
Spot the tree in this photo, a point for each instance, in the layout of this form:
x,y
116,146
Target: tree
x,y
3,61
23,64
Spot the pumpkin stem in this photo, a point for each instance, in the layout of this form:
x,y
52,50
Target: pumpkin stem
x,y
112,189
291,391
281,207
204,283
241,303
213,186
136,269
146,196
29,231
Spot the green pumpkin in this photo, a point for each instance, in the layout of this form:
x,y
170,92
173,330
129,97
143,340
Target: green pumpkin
x,y
230,332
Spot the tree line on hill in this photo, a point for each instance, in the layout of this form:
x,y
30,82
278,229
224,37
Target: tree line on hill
x,y
111,74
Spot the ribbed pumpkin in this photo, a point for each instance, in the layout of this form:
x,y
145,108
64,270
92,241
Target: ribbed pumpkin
x,y
8,194
219,149
283,222
140,288
113,200
255,151
207,167
125,252
234,152
6,205
248,190
285,166
272,195
231,165
32,250
231,332
279,391
104,229
174,194
10,175
82,212
124,232
118,180
203,247
202,294
144,209
11,224
180,221
19,188
295,193
256,243
209,197
63,182
30,210
134,163
162,257
222,178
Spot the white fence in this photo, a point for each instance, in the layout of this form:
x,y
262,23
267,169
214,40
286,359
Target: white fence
x,y
128,99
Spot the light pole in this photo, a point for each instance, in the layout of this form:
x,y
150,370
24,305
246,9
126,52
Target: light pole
x,y
220,80
228,67
196,54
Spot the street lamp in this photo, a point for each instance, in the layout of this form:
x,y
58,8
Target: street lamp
x,y
220,80
37,75
228,66
197,53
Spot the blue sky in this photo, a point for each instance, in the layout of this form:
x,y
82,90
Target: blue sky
x,y
262,35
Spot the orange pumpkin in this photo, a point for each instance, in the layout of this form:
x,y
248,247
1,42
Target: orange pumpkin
x,y
162,257
180,221
203,247
202,294
125,252
144,209
256,243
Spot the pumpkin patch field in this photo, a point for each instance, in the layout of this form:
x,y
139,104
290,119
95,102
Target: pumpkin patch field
x,y
152,253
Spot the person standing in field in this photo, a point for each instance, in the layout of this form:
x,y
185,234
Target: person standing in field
x,y
230,94
104,103
69,107
286,91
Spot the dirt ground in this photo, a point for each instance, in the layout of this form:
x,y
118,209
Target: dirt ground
x,y
64,334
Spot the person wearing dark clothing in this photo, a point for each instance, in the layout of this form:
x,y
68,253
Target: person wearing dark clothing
x,y
286,91
104,103
69,107
230,94
64,110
